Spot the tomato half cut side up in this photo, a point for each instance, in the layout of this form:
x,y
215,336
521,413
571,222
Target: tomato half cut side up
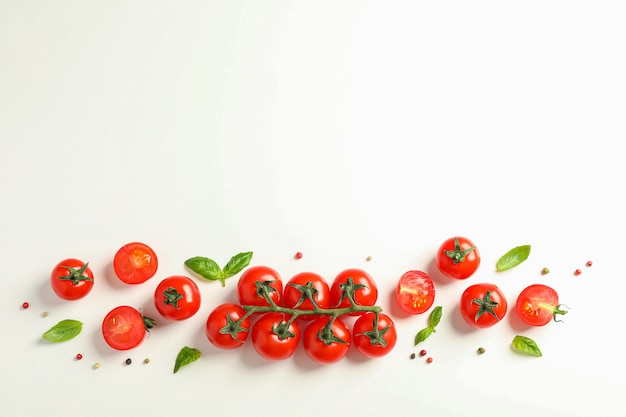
x,y
124,328
135,263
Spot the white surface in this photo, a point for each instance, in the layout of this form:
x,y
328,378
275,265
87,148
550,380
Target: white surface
x,y
339,129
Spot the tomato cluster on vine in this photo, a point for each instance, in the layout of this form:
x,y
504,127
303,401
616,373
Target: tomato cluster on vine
x,y
276,316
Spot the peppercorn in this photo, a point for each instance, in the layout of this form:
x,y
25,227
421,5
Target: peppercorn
x,y
128,361
412,356
481,350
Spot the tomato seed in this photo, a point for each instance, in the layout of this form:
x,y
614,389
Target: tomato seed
x,y
25,305
128,361
422,352
412,356
589,263
79,356
298,255
578,272
429,360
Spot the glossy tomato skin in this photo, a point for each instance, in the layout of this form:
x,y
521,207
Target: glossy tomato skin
x,y
177,298
298,285
483,305
457,258
271,345
326,344
374,343
248,291
415,292
365,289
223,319
538,304
123,328
135,263
72,283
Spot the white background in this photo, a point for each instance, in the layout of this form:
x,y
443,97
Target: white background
x,y
342,129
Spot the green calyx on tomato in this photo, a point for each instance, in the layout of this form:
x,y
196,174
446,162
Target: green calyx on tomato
x,y
485,305
263,290
457,254
233,328
172,297
348,289
307,292
376,335
76,275
327,336
283,331
148,323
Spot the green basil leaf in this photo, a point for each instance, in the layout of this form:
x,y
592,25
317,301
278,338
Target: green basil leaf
x,y
513,257
185,357
526,345
205,267
423,335
63,330
435,317
237,263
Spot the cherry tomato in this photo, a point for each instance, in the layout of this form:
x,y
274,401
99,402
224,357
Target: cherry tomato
x,y
355,284
326,342
303,287
258,282
483,305
124,328
372,336
415,292
274,338
457,258
135,263
177,297
538,304
71,279
222,328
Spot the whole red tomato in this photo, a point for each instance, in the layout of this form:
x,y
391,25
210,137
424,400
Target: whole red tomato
x,y
274,338
457,258
538,304
177,297
326,341
304,287
71,279
483,305
415,292
135,263
258,284
374,335
124,328
353,285
223,328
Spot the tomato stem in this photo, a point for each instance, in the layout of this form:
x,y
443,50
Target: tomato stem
x,y
457,254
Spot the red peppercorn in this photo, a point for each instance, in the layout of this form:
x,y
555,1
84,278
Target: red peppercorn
x,y
423,352
578,272
298,255
589,263
429,360
79,356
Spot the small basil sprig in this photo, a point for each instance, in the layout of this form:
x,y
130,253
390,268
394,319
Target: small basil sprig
x,y
185,357
513,258
526,345
210,270
63,330
433,321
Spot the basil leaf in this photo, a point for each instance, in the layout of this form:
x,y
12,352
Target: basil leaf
x,y
237,263
513,257
435,317
205,267
526,345
63,330
423,334
185,357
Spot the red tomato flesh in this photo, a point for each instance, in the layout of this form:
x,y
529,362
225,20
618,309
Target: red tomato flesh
x,y
538,304
135,263
123,328
415,292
